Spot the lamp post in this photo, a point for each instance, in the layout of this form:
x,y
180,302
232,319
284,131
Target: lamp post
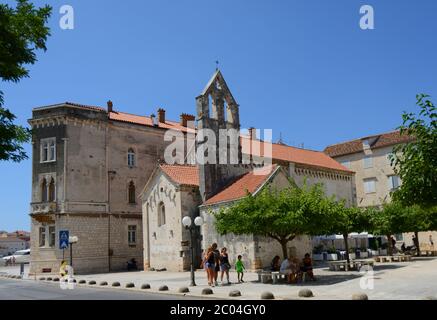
x,y
186,222
71,240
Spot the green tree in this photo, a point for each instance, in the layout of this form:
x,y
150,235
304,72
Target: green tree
x,y
416,161
23,31
281,215
346,220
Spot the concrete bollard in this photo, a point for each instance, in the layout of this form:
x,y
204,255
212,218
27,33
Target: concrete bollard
x,y
305,293
207,291
145,286
235,293
116,284
266,295
163,288
130,285
360,296
103,283
183,290
82,281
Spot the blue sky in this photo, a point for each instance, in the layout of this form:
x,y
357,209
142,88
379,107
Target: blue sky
x,y
303,68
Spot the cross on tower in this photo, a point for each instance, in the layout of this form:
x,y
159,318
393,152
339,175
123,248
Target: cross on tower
x,y
216,65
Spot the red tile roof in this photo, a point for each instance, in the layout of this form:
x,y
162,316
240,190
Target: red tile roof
x,y
72,104
248,182
182,174
300,156
377,141
145,121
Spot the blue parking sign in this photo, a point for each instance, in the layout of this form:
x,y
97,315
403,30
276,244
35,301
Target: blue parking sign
x,y
63,239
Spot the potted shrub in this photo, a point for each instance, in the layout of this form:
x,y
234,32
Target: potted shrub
x,y
352,254
332,254
317,253
364,253
383,249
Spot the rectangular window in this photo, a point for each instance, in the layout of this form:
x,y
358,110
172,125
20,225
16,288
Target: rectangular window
x,y
370,185
367,162
48,149
399,237
52,236
346,164
393,182
42,236
132,234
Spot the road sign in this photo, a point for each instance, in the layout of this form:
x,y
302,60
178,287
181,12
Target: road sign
x,y
63,239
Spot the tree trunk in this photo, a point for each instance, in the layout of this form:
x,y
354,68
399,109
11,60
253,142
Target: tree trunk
x,y
346,246
389,246
284,248
417,244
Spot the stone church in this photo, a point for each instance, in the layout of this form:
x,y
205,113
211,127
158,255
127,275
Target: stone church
x,y
100,174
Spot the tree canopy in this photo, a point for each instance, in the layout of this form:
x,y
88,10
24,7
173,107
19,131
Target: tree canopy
x,y
23,31
416,161
278,214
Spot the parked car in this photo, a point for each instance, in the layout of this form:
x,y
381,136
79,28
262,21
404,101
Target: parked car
x,y
21,256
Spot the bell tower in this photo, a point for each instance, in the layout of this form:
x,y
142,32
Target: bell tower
x,y
218,113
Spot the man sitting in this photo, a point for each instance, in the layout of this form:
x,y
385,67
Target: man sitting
x,y
307,267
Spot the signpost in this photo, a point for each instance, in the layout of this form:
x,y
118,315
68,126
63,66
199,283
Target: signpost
x,y
63,240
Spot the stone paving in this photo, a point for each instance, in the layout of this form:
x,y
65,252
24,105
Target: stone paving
x,y
398,281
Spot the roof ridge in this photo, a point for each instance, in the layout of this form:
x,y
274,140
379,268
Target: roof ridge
x,y
365,137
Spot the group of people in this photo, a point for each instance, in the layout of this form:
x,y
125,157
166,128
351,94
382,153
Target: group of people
x,y
215,261
293,268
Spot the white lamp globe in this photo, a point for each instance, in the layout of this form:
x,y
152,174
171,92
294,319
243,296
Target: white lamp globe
x,y
198,221
73,239
186,221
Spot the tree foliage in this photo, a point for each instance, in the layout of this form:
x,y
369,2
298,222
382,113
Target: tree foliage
x,y
23,31
278,214
416,161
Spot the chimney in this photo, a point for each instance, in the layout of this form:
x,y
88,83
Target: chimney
x,y
252,133
185,118
161,115
153,119
109,104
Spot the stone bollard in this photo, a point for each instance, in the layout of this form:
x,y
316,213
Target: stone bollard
x,y
305,293
207,291
103,283
130,285
116,284
266,295
92,282
360,296
235,293
82,281
145,286
42,278
49,279
163,288
183,290
56,279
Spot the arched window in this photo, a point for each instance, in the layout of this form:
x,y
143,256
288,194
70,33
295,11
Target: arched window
x,y
131,191
131,157
44,190
52,190
161,214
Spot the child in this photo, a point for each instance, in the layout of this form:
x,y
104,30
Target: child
x,y
239,266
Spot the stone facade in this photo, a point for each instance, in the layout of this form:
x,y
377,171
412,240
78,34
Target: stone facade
x,y
84,186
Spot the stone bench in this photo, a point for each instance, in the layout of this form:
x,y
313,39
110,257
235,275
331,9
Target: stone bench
x,y
264,276
398,258
277,276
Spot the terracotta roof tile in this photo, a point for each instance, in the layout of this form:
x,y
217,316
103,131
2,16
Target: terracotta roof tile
x,y
300,156
145,121
182,174
237,190
376,141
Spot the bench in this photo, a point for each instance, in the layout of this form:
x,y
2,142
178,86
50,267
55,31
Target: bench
x,y
398,257
264,276
277,275
338,265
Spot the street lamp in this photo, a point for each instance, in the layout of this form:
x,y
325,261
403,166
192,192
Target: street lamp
x,y
71,240
186,222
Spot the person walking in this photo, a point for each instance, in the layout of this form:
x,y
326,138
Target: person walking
x,y
216,261
209,264
224,265
239,267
